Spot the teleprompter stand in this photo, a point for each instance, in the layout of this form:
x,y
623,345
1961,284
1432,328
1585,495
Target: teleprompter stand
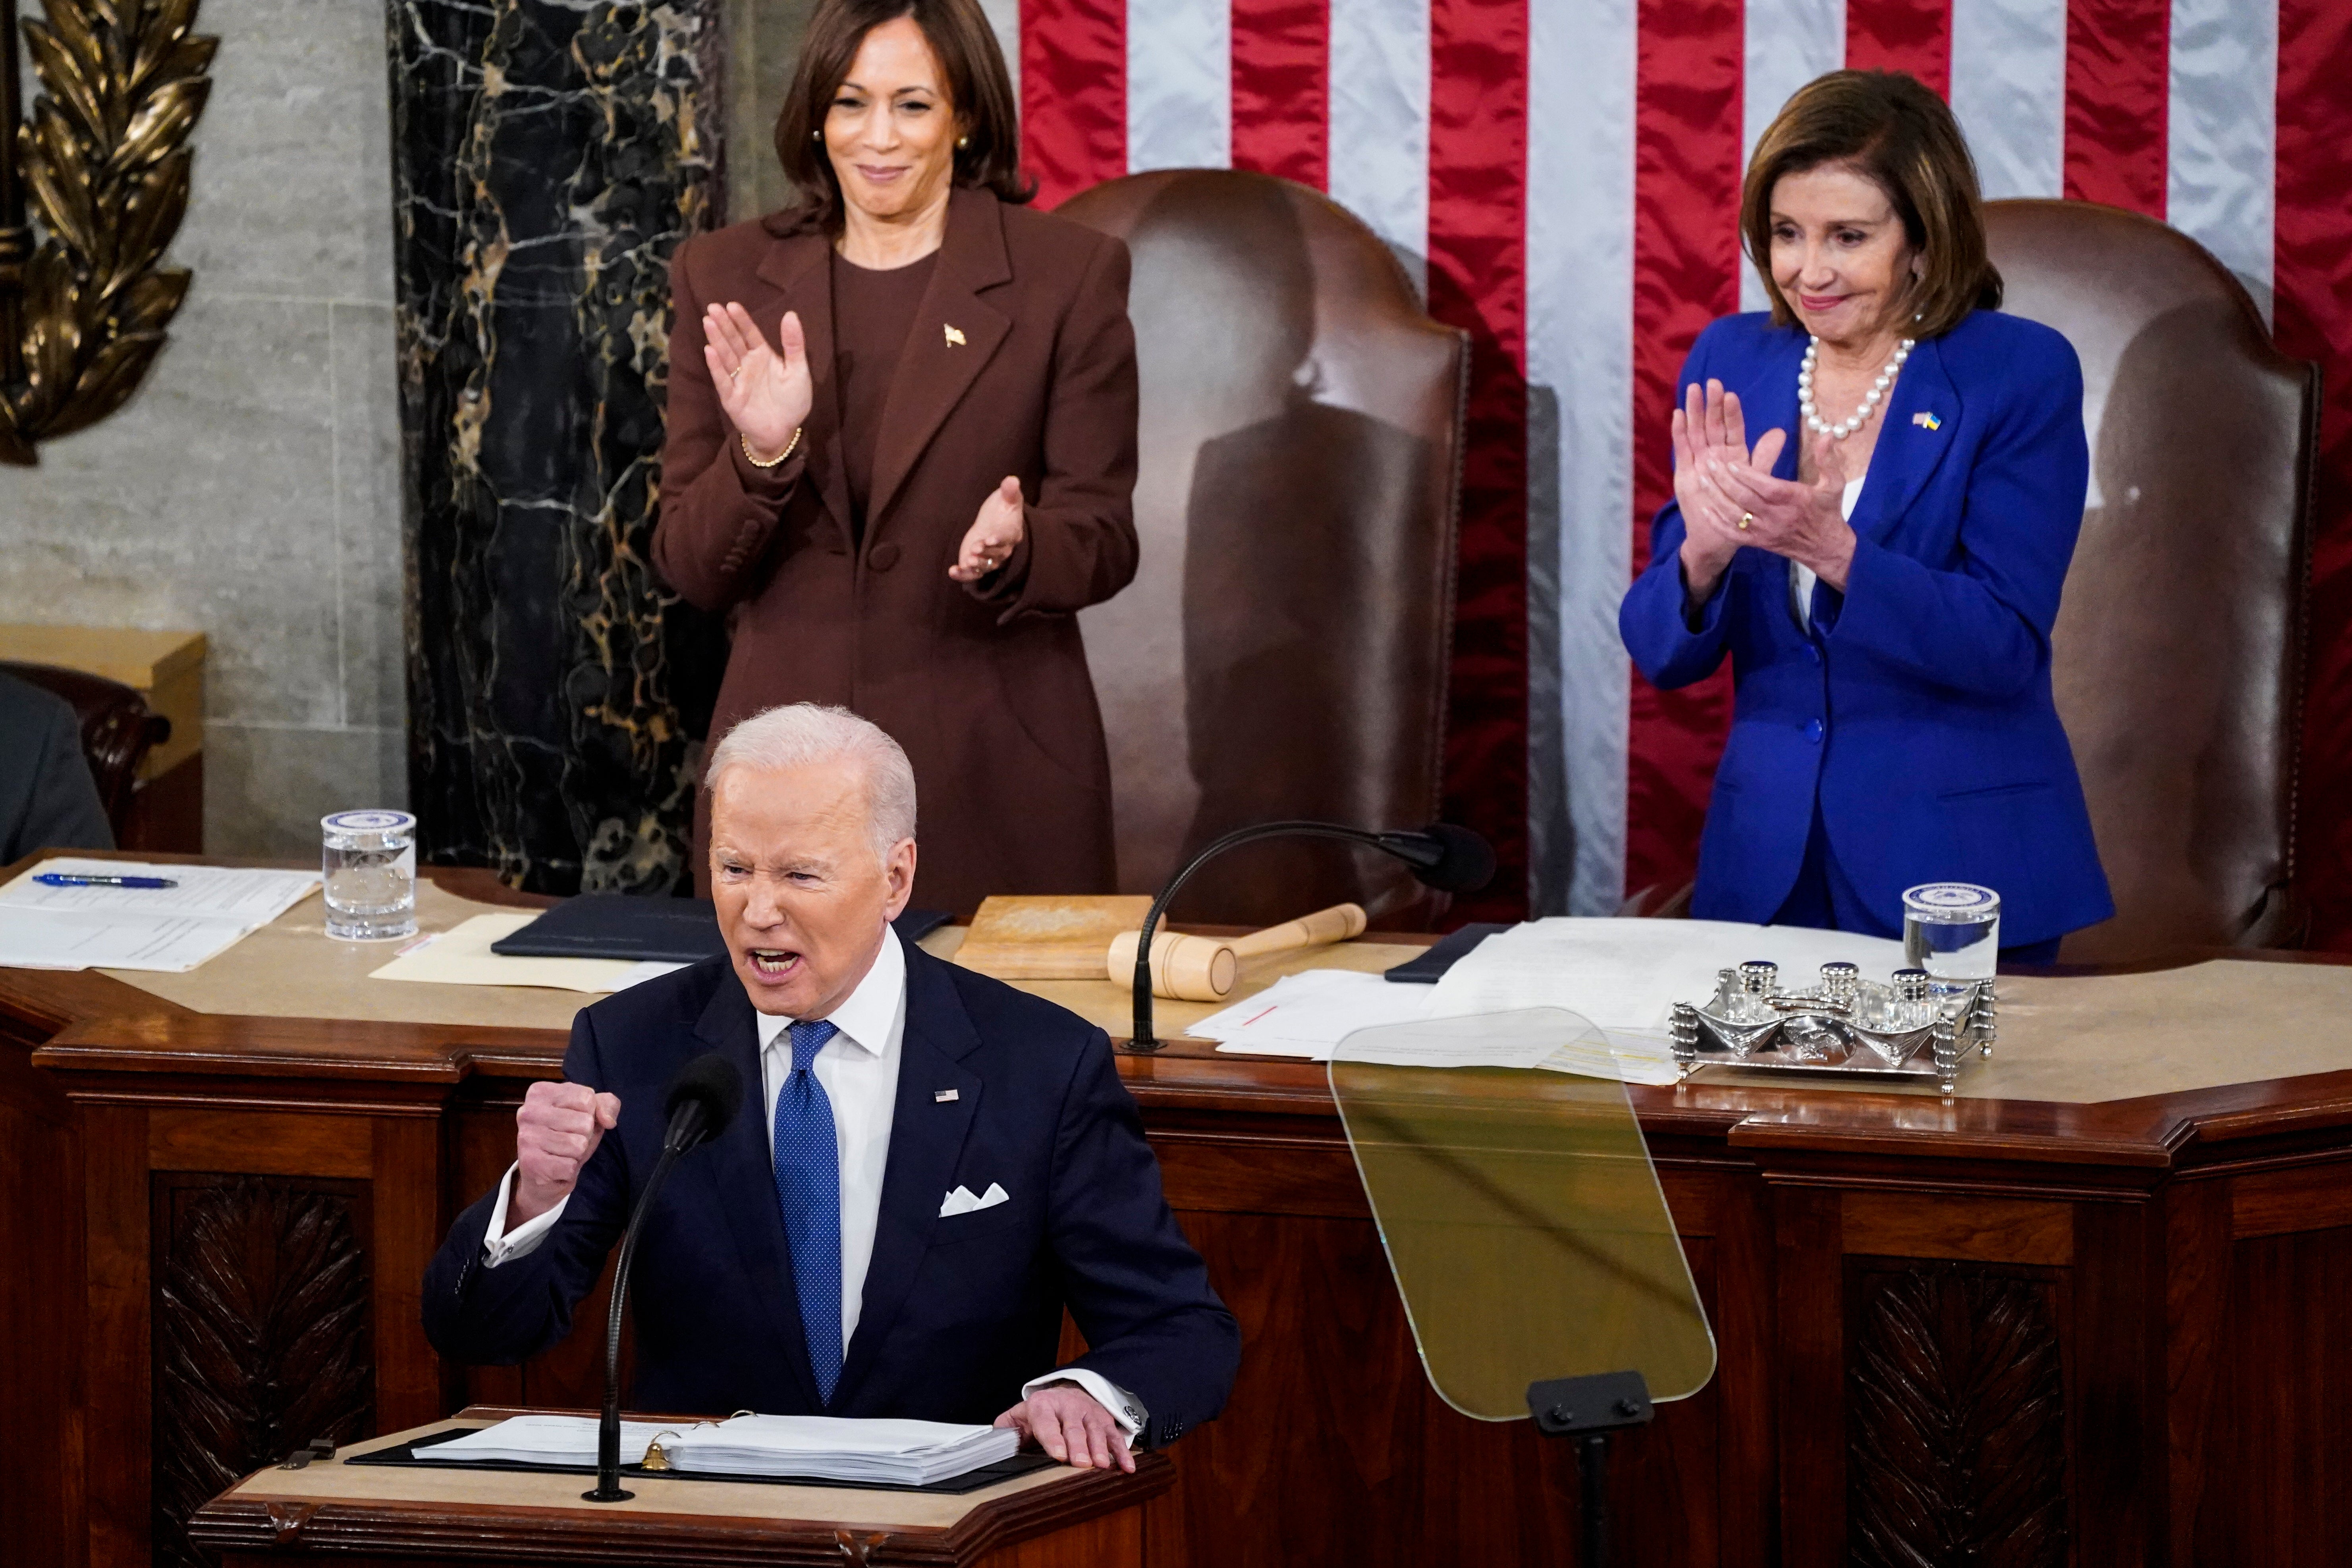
x,y
1523,1220
1588,1409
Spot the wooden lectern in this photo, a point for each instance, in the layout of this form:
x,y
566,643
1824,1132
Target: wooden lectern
x,y
332,1511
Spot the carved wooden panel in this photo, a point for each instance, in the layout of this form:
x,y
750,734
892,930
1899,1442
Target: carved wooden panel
x,y
263,1335
1956,1418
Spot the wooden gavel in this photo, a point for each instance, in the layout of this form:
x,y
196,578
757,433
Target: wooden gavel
x,y
1203,968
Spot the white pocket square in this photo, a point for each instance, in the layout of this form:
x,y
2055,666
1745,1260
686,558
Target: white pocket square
x,y
961,1201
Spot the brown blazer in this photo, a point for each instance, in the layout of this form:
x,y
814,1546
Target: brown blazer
x,y
984,684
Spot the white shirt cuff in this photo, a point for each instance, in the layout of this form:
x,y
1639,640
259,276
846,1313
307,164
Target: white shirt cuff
x,y
500,1247
1125,1408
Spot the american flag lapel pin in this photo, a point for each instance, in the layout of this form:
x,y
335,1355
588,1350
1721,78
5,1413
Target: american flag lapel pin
x,y
943,1096
955,338
1926,421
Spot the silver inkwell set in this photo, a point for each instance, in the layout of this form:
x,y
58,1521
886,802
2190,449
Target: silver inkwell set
x,y
1915,1026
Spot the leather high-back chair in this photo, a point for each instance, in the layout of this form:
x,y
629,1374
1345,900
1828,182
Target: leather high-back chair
x,y
2178,653
117,729
1283,651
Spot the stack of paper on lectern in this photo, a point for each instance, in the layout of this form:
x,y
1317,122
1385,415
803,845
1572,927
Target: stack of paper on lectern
x,y
819,1448
173,929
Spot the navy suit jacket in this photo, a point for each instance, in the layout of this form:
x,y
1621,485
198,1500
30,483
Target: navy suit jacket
x,y
958,1312
1917,709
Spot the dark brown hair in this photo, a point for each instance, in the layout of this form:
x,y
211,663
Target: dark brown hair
x,y
979,92
1895,133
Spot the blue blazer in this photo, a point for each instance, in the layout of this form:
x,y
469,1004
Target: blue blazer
x,y
1919,709
958,1312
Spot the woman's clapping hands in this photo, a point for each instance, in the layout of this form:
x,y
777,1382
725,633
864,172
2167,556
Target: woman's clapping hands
x,y
988,542
766,394
1720,481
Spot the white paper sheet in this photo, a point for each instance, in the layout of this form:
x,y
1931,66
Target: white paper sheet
x,y
462,956
1627,974
1551,1039
251,898
1306,1015
168,929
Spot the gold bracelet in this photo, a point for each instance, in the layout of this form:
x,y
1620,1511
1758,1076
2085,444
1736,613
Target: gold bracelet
x,y
753,458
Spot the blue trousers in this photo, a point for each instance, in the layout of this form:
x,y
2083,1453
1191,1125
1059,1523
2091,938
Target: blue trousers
x,y
1823,899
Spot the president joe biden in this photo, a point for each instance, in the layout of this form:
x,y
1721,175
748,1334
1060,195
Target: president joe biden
x,y
945,1164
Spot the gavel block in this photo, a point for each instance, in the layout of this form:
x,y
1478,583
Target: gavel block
x,y
1203,968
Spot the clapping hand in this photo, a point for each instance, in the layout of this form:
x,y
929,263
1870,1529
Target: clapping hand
x,y
1711,435
989,543
766,394
1803,522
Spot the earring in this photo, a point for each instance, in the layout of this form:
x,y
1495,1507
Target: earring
x,y
816,135
963,142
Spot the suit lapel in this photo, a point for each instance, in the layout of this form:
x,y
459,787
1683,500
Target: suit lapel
x,y
1908,452
741,1171
926,1139
798,266
935,370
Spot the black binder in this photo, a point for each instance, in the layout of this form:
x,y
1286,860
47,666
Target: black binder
x,y
1431,966
668,930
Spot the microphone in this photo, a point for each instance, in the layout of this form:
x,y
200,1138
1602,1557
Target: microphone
x,y
1449,859
702,1099
1443,856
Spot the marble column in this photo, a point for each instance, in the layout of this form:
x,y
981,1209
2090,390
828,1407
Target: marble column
x,y
548,159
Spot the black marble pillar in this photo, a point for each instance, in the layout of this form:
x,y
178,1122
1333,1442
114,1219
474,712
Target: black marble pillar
x,y
548,158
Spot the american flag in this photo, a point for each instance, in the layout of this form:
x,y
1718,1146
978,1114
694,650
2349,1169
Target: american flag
x,y
1561,178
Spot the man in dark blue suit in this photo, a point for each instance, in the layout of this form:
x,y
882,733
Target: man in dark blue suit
x,y
944,1163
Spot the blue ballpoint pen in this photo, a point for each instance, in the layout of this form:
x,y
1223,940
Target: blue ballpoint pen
x,y
67,879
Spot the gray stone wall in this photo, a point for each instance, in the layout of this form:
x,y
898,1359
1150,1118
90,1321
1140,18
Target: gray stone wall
x,y
251,490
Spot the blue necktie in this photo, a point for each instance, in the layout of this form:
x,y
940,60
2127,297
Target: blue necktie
x,y
808,1183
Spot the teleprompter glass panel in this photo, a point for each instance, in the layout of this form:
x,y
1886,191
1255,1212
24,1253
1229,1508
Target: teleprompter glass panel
x,y
1522,1217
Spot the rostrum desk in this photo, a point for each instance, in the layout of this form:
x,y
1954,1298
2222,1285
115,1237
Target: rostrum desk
x,y
2058,1326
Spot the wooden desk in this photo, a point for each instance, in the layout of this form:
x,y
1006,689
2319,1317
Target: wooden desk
x,y
2063,1330
420,1518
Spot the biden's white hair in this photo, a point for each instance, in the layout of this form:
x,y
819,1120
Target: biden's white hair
x,y
802,734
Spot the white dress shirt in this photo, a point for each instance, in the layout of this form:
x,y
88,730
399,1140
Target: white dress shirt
x,y
858,1069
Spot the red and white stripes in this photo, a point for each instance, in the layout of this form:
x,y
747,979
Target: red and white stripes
x,y
1562,177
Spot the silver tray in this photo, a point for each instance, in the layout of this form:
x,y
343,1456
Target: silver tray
x,y
1913,1026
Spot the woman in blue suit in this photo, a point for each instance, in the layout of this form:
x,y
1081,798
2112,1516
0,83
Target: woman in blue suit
x,y
1885,583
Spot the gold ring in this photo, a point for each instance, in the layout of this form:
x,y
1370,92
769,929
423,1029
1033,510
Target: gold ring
x,y
1745,519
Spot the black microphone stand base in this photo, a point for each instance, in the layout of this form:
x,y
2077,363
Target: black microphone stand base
x,y
1588,1409
617,1494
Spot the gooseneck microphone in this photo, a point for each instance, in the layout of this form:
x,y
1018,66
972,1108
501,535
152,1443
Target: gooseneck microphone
x,y
701,1099
1448,858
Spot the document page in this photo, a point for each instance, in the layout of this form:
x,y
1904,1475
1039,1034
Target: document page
x,y
168,929
1626,974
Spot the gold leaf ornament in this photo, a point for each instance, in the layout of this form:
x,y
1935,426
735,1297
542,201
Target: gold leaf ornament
x,y
104,163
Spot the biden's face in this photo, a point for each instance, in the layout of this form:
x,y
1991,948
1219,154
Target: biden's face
x,y
803,899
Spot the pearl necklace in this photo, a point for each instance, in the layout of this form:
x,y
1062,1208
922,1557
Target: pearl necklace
x,y
1861,416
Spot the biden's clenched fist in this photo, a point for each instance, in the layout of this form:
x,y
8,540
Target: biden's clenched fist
x,y
556,1130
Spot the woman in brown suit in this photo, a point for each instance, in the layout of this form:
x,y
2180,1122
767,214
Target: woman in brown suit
x,y
901,447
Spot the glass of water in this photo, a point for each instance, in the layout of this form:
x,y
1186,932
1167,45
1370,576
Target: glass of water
x,y
369,862
1952,930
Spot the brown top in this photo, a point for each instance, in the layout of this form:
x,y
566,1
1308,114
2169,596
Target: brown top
x,y
872,310
1018,361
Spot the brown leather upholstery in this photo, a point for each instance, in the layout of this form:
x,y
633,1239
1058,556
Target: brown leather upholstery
x,y
2176,656
117,729
1283,651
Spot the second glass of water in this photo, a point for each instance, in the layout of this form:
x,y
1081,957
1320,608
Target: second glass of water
x,y
369,862
1952,930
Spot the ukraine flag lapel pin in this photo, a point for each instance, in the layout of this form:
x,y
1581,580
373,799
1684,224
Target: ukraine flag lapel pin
x,y
1926,421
